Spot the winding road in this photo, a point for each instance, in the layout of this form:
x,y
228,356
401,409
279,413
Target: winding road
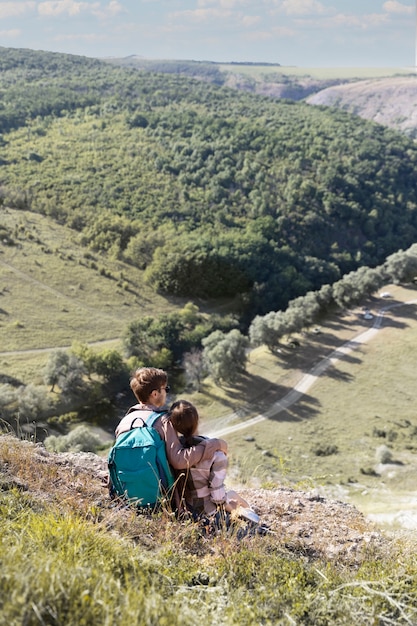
x,y
305,383
308,380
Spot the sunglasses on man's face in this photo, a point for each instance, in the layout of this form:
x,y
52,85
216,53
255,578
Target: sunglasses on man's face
x,y
167,389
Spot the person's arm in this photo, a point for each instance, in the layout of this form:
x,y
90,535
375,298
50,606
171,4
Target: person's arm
x,y
180,457
212,446
217,477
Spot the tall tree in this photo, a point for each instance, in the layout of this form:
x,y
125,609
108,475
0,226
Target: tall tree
x,y
224,354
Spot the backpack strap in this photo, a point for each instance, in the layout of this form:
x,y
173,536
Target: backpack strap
x,y
150,421
152,418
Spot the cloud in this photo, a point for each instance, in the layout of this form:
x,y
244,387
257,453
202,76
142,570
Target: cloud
x,y
14,9
203,15
223,4
220,11
60,7
112,9
392,6
302,7
250,20
345,21
53,8
220,15
265,35
89,37
10,34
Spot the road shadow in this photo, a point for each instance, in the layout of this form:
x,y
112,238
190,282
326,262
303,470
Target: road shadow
x,y
304,408
389,322
242,399
322,354
275,402
336,374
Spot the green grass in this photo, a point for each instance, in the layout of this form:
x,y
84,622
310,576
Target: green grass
x,y
65,569
53,291
362,402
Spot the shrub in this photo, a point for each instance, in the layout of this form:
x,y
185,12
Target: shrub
x,y
81,439
383,454
325,449
33,402
8,394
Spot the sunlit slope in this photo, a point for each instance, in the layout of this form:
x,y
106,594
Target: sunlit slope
x,y
388,101
365,400
54,292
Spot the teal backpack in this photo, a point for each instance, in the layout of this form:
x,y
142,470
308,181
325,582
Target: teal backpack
x,y
138,465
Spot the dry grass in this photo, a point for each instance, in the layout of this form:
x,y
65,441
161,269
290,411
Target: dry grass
x,y
73,557
363,401
260,72
78,483
52,294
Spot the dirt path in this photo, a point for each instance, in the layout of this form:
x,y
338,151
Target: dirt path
x,y
41,285
59,294
308,380
34,281
102,342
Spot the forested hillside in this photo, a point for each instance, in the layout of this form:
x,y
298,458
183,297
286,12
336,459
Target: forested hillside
x,y
214,192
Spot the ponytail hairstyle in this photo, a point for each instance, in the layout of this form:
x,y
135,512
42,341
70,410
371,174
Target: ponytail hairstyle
x,y
184,418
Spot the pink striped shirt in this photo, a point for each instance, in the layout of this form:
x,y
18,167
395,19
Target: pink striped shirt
x,y
204,483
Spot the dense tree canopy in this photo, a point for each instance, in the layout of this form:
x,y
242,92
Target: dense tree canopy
x,y
166,338
216,193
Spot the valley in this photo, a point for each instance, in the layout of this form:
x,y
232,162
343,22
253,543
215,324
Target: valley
x,y
128,195
252,230
327,433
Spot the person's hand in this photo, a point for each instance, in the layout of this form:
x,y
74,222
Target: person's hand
x,y
231,505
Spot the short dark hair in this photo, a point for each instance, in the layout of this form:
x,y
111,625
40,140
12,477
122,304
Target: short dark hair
x,y
184,418
145,380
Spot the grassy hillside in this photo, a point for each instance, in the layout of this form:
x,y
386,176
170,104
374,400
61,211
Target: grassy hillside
x,y
44,269
134,181
68,555
114,169
53,295
331,438
322,564
54,292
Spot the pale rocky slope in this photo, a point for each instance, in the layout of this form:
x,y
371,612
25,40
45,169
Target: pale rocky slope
x,y
390,101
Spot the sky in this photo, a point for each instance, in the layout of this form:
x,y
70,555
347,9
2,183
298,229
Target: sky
x,y
304,33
